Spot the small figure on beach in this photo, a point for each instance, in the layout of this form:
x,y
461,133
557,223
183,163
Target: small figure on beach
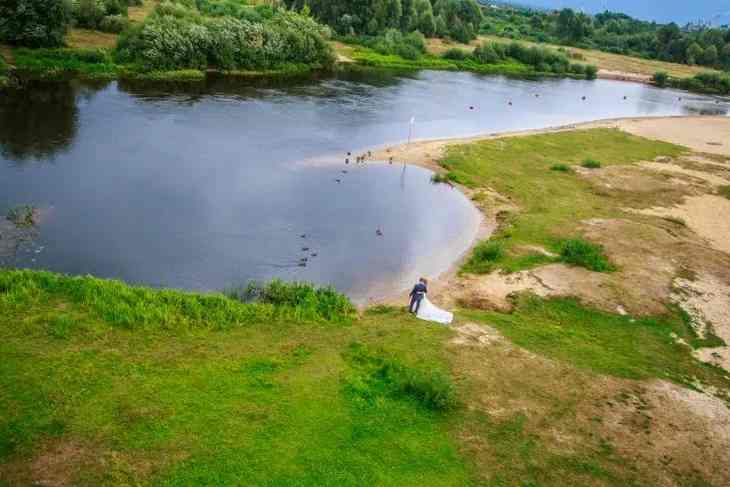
x,y
423,308
417,294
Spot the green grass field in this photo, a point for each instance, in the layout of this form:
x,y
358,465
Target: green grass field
x,y
551,202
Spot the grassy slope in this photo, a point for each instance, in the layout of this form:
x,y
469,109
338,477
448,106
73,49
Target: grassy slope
x,y
551,203
267,401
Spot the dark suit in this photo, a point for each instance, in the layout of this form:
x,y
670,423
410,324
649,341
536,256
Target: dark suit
x,y
419,291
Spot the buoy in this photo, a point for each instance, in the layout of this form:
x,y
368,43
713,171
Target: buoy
x,y
510,103
583,98
347,161
304,249
304,235
471,108
338,181
378,232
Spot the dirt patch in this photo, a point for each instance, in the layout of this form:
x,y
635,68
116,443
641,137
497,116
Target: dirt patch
x,y
57,464
648,433
624,76
701,134
706,299
702,215
139,13
85,38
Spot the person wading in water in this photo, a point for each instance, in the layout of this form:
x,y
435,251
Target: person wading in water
x,y
417,295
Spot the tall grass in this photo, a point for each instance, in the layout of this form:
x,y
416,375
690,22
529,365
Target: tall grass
x,y
309,301
140,307
376,374
484,257
582,253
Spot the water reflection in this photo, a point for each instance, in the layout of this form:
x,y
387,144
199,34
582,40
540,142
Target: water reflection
x,y
41,119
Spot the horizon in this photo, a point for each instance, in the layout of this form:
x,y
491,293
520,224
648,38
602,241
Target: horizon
x,y
714,12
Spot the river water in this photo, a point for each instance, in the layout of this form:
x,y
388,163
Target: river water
x,y
209,187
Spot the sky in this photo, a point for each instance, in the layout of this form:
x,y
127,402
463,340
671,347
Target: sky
x,y
680,11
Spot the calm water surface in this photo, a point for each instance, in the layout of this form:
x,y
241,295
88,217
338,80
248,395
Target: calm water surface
x,y
210,187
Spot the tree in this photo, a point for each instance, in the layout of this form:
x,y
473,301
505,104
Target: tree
x,y
573,26
694,53
710,56
34,23
442,30
725,54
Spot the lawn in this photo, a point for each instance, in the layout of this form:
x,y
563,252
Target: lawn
x,y
551,202
146,388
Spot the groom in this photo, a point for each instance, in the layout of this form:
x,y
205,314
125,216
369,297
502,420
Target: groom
x,y
419,291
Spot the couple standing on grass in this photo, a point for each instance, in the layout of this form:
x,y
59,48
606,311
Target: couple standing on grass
x,y
423,308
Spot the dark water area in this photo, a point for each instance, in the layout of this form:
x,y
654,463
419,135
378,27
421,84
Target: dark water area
x,y
209,186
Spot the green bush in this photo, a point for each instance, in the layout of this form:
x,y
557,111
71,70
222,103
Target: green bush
x,y
456,54
113,23
660,79
484,256
409,46
724,191
560,168
179,38
591,71
591,164
320,303
582,253
34,23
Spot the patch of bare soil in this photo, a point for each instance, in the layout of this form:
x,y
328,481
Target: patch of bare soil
x,y
701,134
706,215
57,465
645,433
706,299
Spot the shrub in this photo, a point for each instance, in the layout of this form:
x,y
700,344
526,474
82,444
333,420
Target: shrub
x,y
487,53
410,46
455,54
582,253
591,71
591,164
89,13
560,168
660,79
484,256
186,40
34,23
309,301
113,23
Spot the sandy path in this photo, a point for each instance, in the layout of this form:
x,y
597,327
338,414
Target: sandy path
x,y
702,134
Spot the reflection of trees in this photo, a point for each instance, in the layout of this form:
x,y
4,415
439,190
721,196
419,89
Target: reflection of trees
x,y
40,119
261,88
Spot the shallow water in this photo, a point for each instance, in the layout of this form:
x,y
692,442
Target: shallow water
x,y
209,187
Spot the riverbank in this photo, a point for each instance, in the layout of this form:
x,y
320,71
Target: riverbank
x,y
552,374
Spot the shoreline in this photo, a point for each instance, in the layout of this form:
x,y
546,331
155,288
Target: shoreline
x,y
427,152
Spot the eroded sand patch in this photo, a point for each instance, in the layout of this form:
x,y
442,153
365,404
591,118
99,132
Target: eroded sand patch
x,y
707,215
701,134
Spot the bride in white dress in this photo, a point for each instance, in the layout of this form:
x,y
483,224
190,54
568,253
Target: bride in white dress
x,y
430,312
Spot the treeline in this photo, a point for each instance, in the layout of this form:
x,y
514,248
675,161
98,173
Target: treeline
x,y
457,19
613,32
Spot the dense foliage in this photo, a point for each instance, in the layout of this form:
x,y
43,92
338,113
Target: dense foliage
x,y
613,32
541,59
181,35
104,15
34,23
458,19
714,83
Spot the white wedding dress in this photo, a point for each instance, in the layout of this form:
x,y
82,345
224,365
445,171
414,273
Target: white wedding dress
x,y
429,312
